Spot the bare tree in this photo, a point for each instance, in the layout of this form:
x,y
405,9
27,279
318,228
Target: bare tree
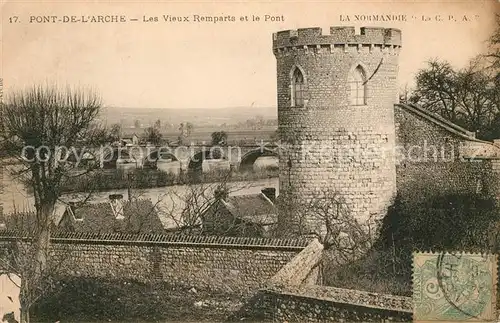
x,y
182,133
336,227
404,94
189,129
435,89
328,218
185,209
16,260
157,124
39,126
468,97
494,53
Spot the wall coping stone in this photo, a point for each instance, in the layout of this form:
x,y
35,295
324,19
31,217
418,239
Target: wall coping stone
x,y
289,281
347,296
296,271
442,122
173,240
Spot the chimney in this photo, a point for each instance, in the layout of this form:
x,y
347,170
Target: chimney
x,y
270,193
116,201
72,210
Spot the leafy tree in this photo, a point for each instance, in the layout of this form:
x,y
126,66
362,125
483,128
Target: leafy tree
x,y
35,123
137,124
153,135
219,138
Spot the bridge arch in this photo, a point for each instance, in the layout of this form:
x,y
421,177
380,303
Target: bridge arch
x,y
248,160
196,161
111,158
159,155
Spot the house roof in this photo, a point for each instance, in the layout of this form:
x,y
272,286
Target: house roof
x,y
254,208
26,220
139,216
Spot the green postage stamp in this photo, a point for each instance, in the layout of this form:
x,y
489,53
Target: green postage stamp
x,y
450,287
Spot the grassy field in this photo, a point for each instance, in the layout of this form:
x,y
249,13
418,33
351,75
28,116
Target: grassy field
x,y
107,300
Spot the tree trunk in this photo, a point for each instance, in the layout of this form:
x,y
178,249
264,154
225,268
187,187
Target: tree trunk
x,y
33,277
42,240
25,315
24,301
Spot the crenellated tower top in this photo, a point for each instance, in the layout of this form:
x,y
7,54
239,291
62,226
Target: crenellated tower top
x,y
304,38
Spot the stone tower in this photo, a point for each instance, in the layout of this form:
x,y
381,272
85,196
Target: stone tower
x,y
336,96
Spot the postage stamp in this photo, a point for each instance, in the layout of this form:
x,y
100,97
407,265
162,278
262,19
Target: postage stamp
x,y
454,287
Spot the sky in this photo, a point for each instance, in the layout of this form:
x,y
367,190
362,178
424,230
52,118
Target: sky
x,y
205,64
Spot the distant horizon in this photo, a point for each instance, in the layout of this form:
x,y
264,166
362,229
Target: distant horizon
x,y
193,108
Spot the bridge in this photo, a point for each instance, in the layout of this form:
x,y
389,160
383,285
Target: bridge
x,y
189,157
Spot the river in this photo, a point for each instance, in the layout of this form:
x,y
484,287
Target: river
x,y
169,200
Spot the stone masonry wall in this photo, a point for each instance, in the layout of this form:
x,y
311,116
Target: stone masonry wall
x,y
275,274
431,157
292,296
329,144
329,304
239,265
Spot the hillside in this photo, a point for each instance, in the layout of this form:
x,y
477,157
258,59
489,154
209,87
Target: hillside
x,y
199,117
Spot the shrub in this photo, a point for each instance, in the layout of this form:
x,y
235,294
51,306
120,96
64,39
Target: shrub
x,y
434,222
452,221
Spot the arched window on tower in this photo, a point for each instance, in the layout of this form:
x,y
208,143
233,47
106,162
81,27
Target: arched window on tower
x,y
297,88
358,86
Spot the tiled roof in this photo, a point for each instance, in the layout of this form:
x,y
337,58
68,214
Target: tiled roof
x,y
139,216
168,240
255,208
25,221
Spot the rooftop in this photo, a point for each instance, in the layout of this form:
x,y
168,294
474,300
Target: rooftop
x,y
254,208
136,216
